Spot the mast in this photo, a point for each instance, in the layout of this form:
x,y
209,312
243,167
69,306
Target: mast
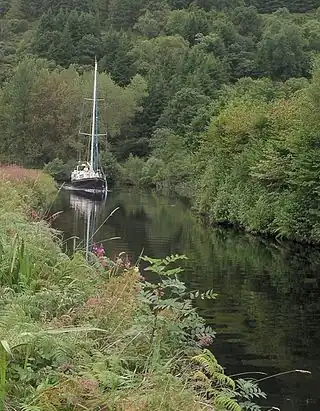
x,y
94,117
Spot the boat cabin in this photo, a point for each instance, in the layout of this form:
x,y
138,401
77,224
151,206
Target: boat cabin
x,y
84,171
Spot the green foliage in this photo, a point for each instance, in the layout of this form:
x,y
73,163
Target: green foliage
x,y
226,393
151,171
176,171
123,14
40,111
210,364
67,37
131,170
171,295
215,382
183,82
110,166
249,391
152,22
282,50
18,26
59,170
264,152
294,7
248,21
4,351
188,23
181,111
117,59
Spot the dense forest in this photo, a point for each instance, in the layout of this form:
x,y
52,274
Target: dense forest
x,y
217,100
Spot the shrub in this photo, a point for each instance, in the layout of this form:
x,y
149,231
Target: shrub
x,y
110,166
131,170
18,26
9,50
60,170
151,171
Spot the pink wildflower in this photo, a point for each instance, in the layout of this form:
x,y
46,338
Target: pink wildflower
x,y
98,250
205,341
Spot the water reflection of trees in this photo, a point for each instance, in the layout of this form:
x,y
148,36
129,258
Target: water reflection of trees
x,y
268,308
273,285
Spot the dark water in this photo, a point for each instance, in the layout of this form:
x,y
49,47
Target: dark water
x,y
267,315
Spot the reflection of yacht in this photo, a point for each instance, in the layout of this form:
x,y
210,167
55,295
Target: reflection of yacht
x,y
88,209
94,195
83,205
87,177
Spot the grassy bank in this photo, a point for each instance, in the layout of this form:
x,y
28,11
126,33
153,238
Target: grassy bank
x,y
95,335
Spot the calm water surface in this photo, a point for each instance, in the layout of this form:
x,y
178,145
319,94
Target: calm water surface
x,y
267,315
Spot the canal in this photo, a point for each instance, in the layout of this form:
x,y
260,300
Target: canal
x,y
267,314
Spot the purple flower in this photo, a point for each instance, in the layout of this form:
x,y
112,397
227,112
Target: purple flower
x,y
98,250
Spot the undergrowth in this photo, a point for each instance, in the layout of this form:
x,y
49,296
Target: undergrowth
x,y
78,334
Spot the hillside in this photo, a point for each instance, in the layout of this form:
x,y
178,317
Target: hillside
x,y
226,86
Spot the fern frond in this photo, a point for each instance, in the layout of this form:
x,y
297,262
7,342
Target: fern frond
x,y
208,361
211,365
224,380
224,402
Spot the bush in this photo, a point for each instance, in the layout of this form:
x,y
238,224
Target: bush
x,y
110,166
59,170
18,26
150,171
131,170
9,50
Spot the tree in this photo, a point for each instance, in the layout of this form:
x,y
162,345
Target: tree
x,y
123,14
160,61
282,51
176,159
297,6
248,21
15,108
311,31
180,112
68,37
117,57
40,111
15,10
206,77
188,23
152,22
89,47
212,43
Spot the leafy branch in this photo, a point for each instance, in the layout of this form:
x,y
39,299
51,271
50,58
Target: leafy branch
x,y
170,293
